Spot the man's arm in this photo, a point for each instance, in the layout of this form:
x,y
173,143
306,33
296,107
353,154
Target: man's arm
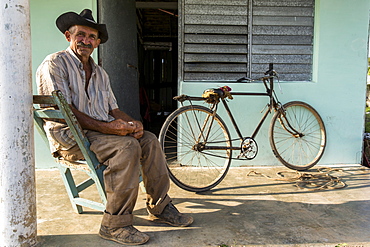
x,y
116,127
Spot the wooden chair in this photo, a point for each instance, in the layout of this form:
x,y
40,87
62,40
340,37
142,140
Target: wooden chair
x,y
90,165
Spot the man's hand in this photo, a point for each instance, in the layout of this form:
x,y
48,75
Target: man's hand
x,y
123,124
121,128
139,129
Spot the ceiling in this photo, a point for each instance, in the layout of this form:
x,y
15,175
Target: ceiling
x,y
157,20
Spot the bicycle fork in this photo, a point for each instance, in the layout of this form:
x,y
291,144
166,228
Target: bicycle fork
x,y
284,122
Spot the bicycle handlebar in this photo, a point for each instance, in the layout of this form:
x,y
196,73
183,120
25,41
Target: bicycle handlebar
x,y
271,74
247,79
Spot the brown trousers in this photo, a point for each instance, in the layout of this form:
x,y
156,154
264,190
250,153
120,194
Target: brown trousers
x,y
123,156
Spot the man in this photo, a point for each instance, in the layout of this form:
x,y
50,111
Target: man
x,y
119,142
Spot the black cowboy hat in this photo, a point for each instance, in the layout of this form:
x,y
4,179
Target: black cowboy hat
x,y
85,18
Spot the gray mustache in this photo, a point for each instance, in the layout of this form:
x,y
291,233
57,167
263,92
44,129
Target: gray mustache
x,y
84,45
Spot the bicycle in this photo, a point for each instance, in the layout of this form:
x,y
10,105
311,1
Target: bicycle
x,y
198,146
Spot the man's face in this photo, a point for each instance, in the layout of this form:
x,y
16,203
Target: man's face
x,y
83,40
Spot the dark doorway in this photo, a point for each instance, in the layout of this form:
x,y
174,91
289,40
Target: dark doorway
x,y
158,57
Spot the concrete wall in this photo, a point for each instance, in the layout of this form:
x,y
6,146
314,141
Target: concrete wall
x,y
121,64
47,39
337,90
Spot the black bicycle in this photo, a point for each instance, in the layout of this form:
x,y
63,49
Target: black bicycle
x,y
198,145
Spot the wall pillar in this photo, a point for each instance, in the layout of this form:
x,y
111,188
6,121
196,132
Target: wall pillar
x,y
119,55
17,166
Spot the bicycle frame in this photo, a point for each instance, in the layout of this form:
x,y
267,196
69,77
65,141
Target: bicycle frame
x,y
273,104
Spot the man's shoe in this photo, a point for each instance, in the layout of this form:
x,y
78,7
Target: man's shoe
x,y
171,216
128,235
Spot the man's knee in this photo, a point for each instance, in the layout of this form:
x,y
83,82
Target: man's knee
x,y
129,147
149,135
149,138
112,146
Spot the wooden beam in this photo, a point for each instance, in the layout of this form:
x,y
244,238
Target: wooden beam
x,y
156,5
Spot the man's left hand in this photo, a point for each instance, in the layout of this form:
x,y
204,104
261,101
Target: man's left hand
x,y
138,131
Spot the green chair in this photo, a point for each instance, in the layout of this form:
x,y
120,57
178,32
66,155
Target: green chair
x,y
62,111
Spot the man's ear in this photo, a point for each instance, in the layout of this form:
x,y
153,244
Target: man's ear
x,y
67,34
97,43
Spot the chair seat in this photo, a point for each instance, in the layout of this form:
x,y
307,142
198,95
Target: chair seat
x,y
77,165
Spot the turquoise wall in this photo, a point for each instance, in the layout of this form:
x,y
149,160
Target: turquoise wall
x,y
337,92
47,39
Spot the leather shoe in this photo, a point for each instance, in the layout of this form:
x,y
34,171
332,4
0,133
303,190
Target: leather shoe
x,y
128,235
171,216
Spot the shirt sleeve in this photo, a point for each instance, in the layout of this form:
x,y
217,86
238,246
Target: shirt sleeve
x,y
52,75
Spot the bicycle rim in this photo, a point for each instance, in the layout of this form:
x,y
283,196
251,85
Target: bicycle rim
x,y
181,138
302,150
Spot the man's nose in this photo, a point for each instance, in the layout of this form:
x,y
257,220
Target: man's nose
x,y
85,40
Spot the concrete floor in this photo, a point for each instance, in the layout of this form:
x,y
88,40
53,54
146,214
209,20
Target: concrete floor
x,y
244,210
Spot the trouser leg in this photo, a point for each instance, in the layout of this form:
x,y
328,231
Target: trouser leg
x,y
121,155
154,173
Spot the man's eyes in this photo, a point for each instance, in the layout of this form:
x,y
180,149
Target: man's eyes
x,y
92,36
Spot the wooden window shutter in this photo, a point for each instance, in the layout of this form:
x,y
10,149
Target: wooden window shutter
x,y
282,34
225,40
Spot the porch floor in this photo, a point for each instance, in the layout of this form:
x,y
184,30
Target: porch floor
x,y
246,209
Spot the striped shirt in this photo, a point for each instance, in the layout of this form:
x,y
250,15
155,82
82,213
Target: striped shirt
x,y
64,71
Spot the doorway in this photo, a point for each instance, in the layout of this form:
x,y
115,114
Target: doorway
x,y
157,24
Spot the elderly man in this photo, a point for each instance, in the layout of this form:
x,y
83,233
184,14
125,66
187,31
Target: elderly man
x,y
119,142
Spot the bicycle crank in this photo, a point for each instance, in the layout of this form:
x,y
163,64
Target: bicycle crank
x,y
249,149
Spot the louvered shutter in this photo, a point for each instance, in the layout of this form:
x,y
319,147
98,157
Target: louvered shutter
x,y
226,40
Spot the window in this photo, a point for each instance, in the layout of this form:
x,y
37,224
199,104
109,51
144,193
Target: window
x,y
225,40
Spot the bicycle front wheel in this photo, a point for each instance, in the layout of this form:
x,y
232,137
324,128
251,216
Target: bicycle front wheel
x,y
297,135
196,144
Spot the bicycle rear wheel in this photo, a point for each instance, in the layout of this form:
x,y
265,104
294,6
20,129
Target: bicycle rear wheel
x,y
297,135
188,138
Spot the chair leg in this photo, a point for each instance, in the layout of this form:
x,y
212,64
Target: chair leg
x,y
97,176
70,187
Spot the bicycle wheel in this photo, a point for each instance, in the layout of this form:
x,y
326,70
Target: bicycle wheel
x,y
298,136
197,145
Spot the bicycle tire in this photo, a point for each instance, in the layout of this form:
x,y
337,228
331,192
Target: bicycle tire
x,y
303,151
190,168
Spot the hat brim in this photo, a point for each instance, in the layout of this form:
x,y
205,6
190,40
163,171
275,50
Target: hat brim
x,y
66,20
